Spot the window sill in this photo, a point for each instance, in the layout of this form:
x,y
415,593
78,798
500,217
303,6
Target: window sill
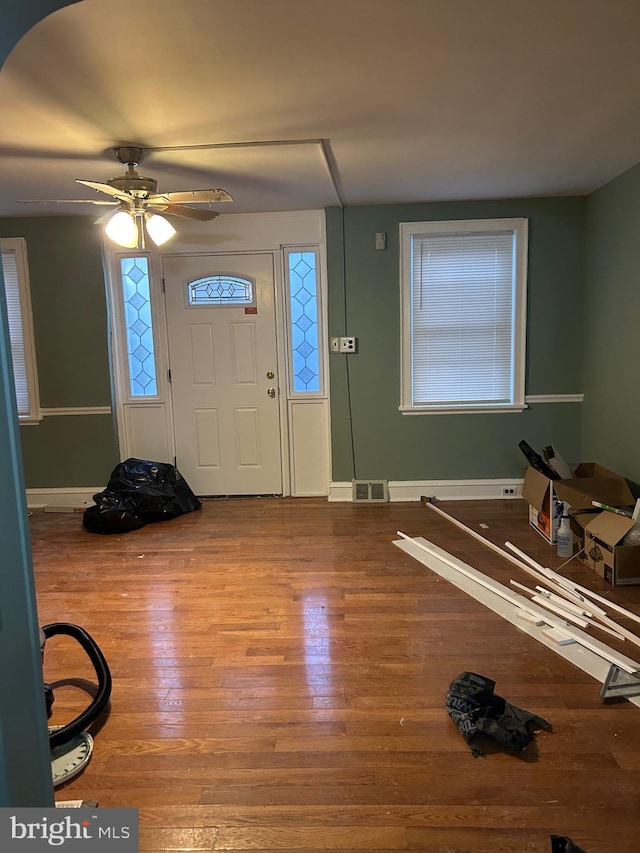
x,y
462,410
30,421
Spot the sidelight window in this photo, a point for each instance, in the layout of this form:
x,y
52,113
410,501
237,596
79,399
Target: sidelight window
x,y
302,285
139,326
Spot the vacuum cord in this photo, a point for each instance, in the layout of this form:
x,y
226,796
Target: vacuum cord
x,y
70,730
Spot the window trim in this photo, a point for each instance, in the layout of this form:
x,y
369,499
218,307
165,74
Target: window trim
x,y
519,227
18,245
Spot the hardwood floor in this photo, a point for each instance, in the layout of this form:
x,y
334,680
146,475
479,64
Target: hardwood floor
x,y
279,678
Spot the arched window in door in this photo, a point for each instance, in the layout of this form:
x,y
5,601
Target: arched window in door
x,y
221,290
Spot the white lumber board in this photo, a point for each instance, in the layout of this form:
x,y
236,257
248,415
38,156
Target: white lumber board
x,y
557,636
567,606
584,658
570,589
559,602
522,561
563,602
546,576
543,601
557,581
502,591
525,616
521,586
572,586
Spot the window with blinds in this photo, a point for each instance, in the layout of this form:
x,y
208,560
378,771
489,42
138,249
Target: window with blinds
x,y
16,283
463,286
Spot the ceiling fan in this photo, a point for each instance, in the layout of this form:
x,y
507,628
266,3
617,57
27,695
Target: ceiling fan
x,y
140,204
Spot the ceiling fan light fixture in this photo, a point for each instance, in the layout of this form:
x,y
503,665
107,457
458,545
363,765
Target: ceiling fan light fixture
x,y
158,228
122,229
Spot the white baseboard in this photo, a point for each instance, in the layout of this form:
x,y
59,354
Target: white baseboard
x,y
69,497
442,490
340,491
399,490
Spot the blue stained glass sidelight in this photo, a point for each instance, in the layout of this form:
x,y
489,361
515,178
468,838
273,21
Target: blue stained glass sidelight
x,y
303,306
139,325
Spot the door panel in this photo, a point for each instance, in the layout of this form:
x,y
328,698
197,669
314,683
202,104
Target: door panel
x,y
248,437
207,439
244,354
202,359
227,424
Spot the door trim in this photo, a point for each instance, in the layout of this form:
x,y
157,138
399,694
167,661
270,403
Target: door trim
x,y
145,425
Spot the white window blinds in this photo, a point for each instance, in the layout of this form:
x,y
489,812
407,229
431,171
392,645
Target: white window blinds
x,y
466,323
16,284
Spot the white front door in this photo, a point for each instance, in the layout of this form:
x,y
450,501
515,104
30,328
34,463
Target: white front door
x,y
224,382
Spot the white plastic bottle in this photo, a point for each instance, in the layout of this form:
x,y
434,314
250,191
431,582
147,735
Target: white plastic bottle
x,y
565,538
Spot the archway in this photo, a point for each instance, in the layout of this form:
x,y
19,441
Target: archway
x,y
25,768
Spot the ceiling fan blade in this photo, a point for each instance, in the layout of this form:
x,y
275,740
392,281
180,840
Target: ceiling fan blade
x,y
105,188
65,201
104,218
193,197
186,212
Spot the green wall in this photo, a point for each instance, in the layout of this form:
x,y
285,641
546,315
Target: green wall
x,y
570,240
364,301
611,418
69,451
71,333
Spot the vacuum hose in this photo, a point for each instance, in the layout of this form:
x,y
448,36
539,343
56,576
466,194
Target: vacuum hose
x,y
68,732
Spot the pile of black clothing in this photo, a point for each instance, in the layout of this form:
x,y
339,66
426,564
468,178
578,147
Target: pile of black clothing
x,y
477,710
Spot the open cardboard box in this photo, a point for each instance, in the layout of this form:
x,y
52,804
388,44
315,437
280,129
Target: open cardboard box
x,y
590,482
618,564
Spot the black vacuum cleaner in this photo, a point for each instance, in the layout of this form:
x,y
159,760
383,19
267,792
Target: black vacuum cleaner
x,y
72,746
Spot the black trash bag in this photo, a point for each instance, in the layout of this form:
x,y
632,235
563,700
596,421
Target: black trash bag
x,y
158,489
563,844
113,513
139,492
475,709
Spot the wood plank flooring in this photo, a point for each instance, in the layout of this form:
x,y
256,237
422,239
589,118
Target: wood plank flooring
x,y
279,677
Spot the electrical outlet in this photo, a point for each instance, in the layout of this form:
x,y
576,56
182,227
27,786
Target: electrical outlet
x,y
509,491
348,344
334,344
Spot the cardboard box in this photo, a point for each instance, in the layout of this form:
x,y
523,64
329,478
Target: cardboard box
x,y
618,564
544,511
590,482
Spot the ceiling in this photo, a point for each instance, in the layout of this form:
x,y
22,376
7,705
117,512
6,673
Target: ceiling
x,y
360,101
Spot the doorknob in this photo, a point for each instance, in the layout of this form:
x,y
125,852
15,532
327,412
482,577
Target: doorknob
x,y
271,392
